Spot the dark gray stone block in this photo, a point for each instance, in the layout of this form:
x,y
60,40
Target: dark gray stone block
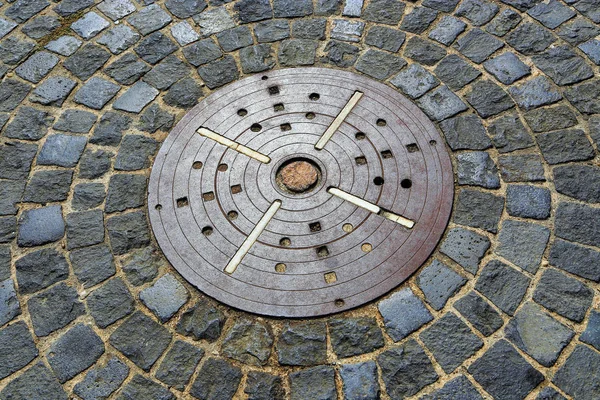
x,y
591,335
295,52
40,269
566,145
503,285
135,150
550,118
415,81
87,60
264,386
403,313
303,344
29,124
536,92
378,64
100,382
441,104
563,65
203,321
523,244
423,51
128,231
38,382
353,336
217,379
249,342
313,383
110,303
563,295
360,381
94,164
40,226
62,150
488,99
578,376
530,38
92,265
528,201
447,30
142,388
384,11
479,313
465,247
585,96
85,228
87,196
477,168
220,72
17,348
576,222
477,45
479,209
465,132
179,364
438,283
578,260
460,387
54,308
96,92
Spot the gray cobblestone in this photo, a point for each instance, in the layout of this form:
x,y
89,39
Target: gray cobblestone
x,y
563,295
523,244
313,383
96,92
102,381
179,364
465,247
438,283
92,265
214,21
403,313
40,269
40,226
577,375
302,344
217,379
54,309
110,303
119,39
479,313
503,285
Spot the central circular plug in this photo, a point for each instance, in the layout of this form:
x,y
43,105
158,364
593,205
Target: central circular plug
x,y
298,176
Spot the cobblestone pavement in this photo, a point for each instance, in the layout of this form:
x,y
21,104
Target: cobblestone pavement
x,y
506,308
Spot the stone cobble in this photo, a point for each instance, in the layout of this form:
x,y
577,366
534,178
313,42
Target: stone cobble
x,y
507,307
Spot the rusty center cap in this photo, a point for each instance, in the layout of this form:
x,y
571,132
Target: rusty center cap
x,y
298,176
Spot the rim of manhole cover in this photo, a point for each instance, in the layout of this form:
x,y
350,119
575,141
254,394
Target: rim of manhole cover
x,y
301,192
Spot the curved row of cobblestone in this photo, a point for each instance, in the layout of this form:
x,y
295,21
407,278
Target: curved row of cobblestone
x,y
507,308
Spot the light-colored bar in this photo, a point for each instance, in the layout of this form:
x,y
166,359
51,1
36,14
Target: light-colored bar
x,y
375,209
335,125
240,148
251,239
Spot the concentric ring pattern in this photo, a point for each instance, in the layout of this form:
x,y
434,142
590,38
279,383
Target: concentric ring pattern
x,y
320,253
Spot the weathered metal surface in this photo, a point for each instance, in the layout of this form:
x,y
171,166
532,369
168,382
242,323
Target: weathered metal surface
x,y
319,253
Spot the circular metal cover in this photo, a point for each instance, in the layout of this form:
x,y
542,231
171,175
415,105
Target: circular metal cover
x,y
337,244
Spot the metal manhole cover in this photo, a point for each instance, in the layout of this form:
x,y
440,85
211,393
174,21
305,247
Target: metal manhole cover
x,y
302,192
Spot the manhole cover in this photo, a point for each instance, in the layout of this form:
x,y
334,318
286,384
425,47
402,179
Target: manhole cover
x,y
302,192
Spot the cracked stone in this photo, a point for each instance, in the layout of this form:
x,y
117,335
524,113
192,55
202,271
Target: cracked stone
x,y
257,58
165,297
415,81
75,121
477,45
495,371
378,64
538,334
9,303
302,344
29,124
149,19
355,336
142,388
84,228
523,244
313,383
110,303
119,38
479,313
502,285
438,283
76,350
185,8
465,132
504,22
403,313
128,231
64,45
40,269
94,164
141,340
579,374
563,295
447,30
96,92
134,153
214,21
507,68
566,145
86,61
418,20
40,226
18,349
217,379
53,91
179,364
92,265
101,381
478,169
406,369
116,9
563,66
154,119
534,93
451,341
155,47
54,309
202,322
184,33
465,247
441,104
386,12
220,72
528,201
479,12
424,51
248,342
